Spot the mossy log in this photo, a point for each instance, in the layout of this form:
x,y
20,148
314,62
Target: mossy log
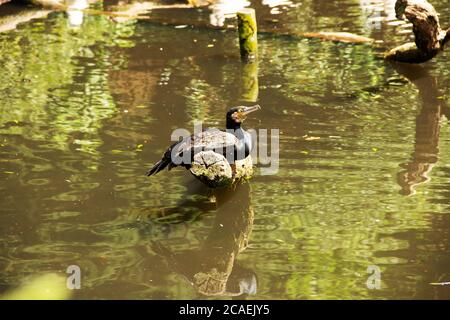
x,y
214,170
430,39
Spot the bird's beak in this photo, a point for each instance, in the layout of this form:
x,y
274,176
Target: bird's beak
x,y
251,109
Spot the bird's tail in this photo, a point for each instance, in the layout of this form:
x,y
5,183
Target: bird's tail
x,y
160,165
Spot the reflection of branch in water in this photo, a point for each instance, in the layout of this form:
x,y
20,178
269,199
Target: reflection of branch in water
x,y
426,147
212,269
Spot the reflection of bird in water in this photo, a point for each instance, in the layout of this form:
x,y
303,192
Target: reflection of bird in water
x,y
240,281
235,144
212,269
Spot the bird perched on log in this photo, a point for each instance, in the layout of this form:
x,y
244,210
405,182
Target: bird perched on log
x,y
234,144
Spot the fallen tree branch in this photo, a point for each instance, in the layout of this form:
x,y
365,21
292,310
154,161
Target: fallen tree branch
x,y
429,37
440,283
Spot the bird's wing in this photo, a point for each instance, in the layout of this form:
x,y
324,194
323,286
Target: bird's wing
x,y
211,139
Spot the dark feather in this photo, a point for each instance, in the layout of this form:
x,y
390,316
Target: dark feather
x,y
211,139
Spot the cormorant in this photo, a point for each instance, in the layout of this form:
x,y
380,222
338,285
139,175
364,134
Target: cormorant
x,y
234,143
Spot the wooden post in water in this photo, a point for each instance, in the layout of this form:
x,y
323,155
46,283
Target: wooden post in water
x,y
248,44
247,29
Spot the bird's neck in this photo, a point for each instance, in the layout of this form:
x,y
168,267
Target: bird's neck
x,y
245,140
231,125
244,147
236,129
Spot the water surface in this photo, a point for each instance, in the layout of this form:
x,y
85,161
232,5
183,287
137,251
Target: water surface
x,y
364,176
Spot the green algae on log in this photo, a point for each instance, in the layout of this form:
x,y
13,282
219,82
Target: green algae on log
x,y
430,39
247,29
214,170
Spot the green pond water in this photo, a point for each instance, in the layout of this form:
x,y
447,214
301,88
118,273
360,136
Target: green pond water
x,y
364,157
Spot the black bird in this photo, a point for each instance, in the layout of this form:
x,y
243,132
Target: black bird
x,y
234,143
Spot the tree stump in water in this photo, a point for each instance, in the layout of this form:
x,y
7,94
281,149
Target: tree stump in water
x,y
248,31
213,169
429,37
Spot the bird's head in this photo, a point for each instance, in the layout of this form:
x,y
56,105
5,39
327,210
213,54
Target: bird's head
x,y
237,115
